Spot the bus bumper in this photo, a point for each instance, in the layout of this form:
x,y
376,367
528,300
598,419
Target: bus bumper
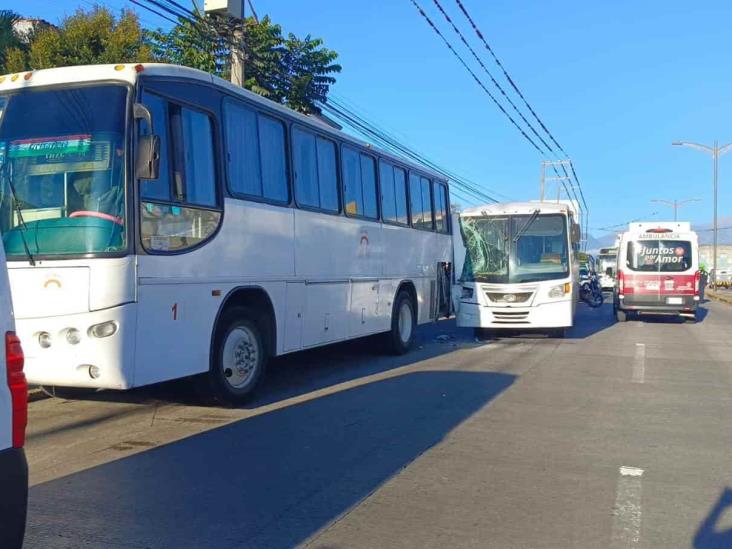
x,y
556,314
70,365
658,304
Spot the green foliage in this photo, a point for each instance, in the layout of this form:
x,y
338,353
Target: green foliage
x,y
293,71
11,45
90,37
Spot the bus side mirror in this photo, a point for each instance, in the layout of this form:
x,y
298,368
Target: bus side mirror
x,y
147,160
575,233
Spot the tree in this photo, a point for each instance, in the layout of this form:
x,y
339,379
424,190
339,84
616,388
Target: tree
x,y
90,37
11,45
292,71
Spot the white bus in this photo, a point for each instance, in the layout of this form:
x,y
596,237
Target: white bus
x,y
160,222
516,267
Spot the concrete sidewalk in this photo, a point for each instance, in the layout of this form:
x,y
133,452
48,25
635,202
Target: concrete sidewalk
x,y
719,295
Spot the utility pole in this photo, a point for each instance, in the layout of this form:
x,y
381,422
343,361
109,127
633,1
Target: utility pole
x,y
237,58
716,151
558,179
235,10
676,204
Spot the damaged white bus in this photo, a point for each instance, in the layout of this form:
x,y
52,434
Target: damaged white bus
x,y
517,267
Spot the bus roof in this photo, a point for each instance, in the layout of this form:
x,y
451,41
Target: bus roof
x,y
129,73
515,208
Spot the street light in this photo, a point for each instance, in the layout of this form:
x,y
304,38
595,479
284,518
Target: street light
x,y
676,204
716,151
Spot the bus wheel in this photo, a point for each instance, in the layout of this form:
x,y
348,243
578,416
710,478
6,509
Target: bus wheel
x,y
620,316
67,393
239,357
403,324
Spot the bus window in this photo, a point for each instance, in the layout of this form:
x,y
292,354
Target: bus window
x,y
158,188
256,154
359,184
316,183
189,216
368,185
440,194
388,198
421,202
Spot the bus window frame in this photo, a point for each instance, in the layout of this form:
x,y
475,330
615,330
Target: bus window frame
x,y
377,181
288,146
336,143
393,166
430,179
148,86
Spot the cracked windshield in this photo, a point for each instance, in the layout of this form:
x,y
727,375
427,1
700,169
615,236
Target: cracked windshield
x,y
515,249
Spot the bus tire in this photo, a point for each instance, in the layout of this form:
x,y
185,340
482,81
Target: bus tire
x,y
620,316
239,357
403,324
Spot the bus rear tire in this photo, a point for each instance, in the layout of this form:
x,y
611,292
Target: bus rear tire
x,y
403,324
239,357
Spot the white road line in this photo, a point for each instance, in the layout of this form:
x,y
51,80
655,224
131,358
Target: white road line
x,y
627,511
639,363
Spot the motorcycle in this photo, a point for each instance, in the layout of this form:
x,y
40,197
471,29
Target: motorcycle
x,y
590,290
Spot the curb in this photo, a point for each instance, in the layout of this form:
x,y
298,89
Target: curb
x,y
719,297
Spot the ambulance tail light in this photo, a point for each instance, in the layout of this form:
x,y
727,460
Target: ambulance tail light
x,y
621,282
697,282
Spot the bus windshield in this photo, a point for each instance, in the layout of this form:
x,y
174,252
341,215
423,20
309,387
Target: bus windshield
x,y
515,249
62,171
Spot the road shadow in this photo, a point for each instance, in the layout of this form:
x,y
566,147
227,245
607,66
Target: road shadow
x,y
649,318
271,480
587,322
302,372
707,536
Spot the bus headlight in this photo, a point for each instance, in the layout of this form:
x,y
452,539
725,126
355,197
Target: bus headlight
x,y
467,293
73,336
561,290
44,340
105,329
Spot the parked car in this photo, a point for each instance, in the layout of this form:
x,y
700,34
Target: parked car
x,y
13,419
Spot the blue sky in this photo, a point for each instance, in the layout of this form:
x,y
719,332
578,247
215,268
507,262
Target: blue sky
x,y
616,83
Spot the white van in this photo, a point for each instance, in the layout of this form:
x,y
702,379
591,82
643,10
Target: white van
x,y
13,419
658,270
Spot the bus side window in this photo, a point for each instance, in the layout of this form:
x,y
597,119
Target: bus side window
x,y
160,188
316,181
440,194
181,218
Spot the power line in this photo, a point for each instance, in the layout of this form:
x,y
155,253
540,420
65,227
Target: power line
x,y
490,75
475,77
505,73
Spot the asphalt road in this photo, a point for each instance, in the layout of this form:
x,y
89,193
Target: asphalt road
x,y
618,436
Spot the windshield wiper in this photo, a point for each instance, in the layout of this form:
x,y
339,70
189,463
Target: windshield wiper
x,y
526,225
16,207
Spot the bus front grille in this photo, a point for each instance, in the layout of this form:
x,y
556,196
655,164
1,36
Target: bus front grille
x,y
511,317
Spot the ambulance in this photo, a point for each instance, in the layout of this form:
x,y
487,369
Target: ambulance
x,y
657,271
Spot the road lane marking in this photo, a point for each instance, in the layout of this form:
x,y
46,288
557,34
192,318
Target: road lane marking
x,y
627,510
639,363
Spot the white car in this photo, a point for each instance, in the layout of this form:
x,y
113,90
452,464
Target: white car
x,y
13,419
